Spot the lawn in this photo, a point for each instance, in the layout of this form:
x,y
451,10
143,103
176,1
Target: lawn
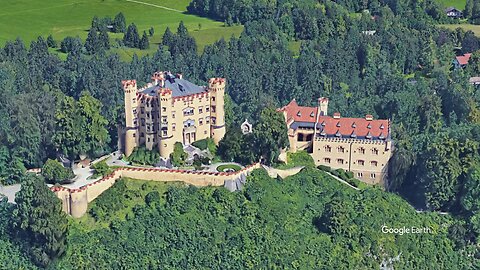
x,y
460,4
224,167
465,26
29,19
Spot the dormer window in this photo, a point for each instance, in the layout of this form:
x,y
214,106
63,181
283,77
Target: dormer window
x,y
353,135
323,123
299,113
354,125
338,124
338,134
381,137
312,114
369,126
369,135
381,126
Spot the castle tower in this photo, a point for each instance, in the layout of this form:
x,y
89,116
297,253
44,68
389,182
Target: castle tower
x,y
131,113
323,105
165,133
217,108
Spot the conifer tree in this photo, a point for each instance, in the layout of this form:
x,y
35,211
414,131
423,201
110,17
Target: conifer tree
x,y
92,43
131,38
168,37
51,42
144,44
103,39
39,221
119,24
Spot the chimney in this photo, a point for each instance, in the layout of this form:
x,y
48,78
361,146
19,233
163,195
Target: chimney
x,y
336,115
323,105
369,117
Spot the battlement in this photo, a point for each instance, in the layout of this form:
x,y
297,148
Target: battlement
x,y
217,83
128,84
75,201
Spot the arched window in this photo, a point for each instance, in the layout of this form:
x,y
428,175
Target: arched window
x,y
341,149
361,162
328,148
374,163
374,151
361,150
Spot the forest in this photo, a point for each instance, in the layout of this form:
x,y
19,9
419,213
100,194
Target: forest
x,y
402,72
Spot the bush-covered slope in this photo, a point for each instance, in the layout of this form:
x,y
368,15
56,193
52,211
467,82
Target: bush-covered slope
x,y
307,221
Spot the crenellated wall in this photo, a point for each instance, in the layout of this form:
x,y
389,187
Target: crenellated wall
x,y
75,201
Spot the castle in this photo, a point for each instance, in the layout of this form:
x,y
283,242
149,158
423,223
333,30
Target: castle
x,y
172,109
360,145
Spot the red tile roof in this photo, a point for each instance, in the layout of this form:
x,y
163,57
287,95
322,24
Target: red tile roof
x,y
344,126
463,59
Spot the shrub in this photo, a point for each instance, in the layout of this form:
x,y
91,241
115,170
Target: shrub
x,y
178,156
143,156
152,197
102,169
349,174
54,172
324,168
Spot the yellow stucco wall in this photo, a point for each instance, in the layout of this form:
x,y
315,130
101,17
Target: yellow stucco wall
x,y
75,201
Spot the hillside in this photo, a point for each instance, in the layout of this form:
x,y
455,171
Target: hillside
x,y
460,4
303,222
26,19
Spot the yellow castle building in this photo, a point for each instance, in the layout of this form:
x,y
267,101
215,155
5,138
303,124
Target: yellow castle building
x,y
360,145
171,109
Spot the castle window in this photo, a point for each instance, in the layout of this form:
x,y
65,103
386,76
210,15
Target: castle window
x,y
361,162
374,163
134,100
164,132
148,114
361,150
375,151
340,161
207,109
135,123
188,111
148,127
142,111
326,160
134,111
328,148
173,114
148,139
213,108
213,98
372,175
164,109
134,135
173,127
200,121
214,120
341,149
207,120
205,132
200,109
359,174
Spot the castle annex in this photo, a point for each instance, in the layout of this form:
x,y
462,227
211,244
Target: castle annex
x,y
360,145
172,109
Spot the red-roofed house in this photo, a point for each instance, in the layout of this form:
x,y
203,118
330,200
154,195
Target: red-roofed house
x,y
360,145
461,61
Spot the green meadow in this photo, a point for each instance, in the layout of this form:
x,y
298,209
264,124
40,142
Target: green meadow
x,y
460,4
29,19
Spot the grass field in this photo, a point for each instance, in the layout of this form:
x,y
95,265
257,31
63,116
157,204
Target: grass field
x,y
29,19
465,26
460,4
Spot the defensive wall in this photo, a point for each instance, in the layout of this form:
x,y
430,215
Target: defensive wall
x,y
75,201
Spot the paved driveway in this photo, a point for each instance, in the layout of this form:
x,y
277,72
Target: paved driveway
x,y
10,191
